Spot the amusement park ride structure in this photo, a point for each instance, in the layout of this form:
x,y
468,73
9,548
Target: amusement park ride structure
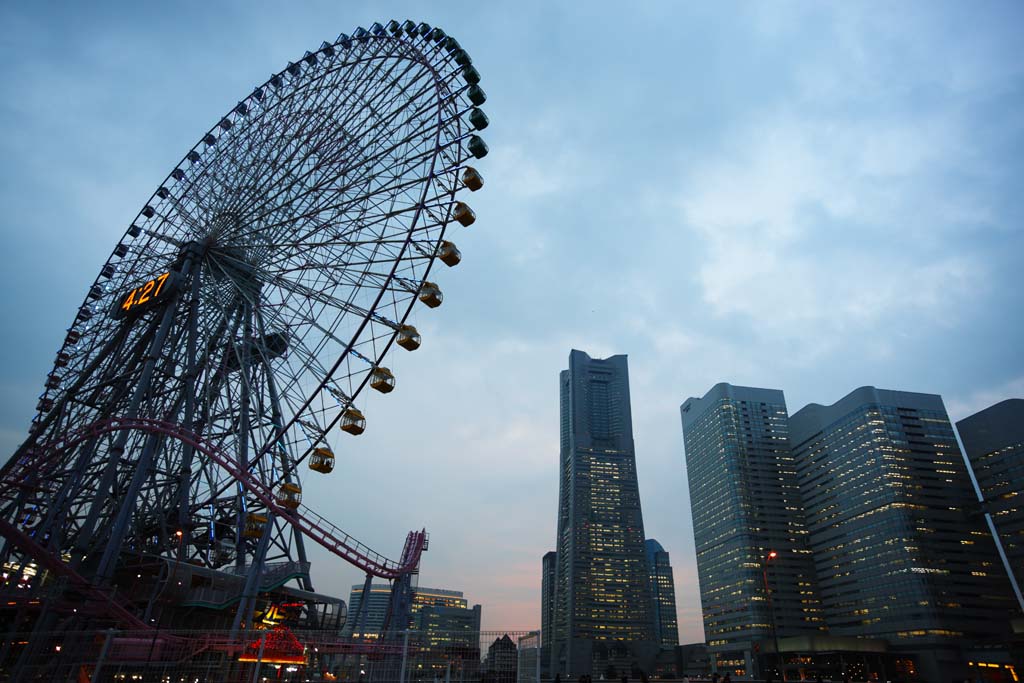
x,y
233,328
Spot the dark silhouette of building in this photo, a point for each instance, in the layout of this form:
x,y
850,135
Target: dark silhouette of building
x,y
501,665
602,592
994,441
663,593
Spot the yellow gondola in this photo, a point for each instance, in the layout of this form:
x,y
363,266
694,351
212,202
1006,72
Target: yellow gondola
x,y
322,460
289,496
472,179
382,380
449,253
464,214
254,524
352,421
430,294
408,338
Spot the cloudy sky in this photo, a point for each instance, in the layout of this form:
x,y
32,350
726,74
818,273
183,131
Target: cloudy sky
x,y
805,196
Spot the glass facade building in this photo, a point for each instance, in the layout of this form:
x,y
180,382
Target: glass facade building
x,y
663,593
439,626
367,624
602,592
994,441
899,550
437,597
745,502
370,624
549,568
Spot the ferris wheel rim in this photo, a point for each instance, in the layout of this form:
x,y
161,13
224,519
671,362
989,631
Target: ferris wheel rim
x,y
288,80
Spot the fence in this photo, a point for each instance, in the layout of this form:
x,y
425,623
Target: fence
x,y
118,656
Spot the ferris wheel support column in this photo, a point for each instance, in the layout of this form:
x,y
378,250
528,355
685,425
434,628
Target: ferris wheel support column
x,y
245,605
121,523
243,435
191,375
277,417
105,569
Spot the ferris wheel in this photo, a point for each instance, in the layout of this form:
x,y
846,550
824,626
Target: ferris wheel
x,y
245,310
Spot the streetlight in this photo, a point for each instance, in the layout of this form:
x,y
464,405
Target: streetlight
x,y
771,610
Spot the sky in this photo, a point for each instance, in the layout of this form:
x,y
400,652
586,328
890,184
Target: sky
x,y
806,196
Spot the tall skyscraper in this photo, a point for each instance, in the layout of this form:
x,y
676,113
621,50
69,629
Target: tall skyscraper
x,y
601,590
663,593
746,503
549,570
994,441
889,507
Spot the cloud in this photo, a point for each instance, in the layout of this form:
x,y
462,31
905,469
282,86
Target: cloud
x,y
815,225
960,406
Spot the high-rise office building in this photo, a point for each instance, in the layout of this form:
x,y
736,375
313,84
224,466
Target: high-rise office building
x,y
371,623
448,641
439,626
889,508
994,441
663,593
368,623
745,503
549,569
601,588
436,597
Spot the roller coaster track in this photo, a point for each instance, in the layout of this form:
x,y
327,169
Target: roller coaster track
x,y
30,472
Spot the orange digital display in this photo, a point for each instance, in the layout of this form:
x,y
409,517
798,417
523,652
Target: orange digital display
x,y
144,296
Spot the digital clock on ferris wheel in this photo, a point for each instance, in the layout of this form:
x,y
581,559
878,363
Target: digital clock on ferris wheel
x,y
145,296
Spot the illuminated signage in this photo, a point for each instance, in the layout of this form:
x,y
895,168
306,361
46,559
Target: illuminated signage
x,y
145,296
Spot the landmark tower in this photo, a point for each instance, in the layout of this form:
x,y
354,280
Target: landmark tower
x,y
602,596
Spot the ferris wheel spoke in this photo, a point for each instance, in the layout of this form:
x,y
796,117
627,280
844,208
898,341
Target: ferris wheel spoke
x,y
380,173
320,209
291,150
363,162
364,219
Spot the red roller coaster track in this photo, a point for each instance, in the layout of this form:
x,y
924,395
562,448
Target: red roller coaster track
x,y
30,472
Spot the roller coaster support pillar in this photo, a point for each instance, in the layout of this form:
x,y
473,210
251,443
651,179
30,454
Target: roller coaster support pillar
x,y
405,652
364,605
